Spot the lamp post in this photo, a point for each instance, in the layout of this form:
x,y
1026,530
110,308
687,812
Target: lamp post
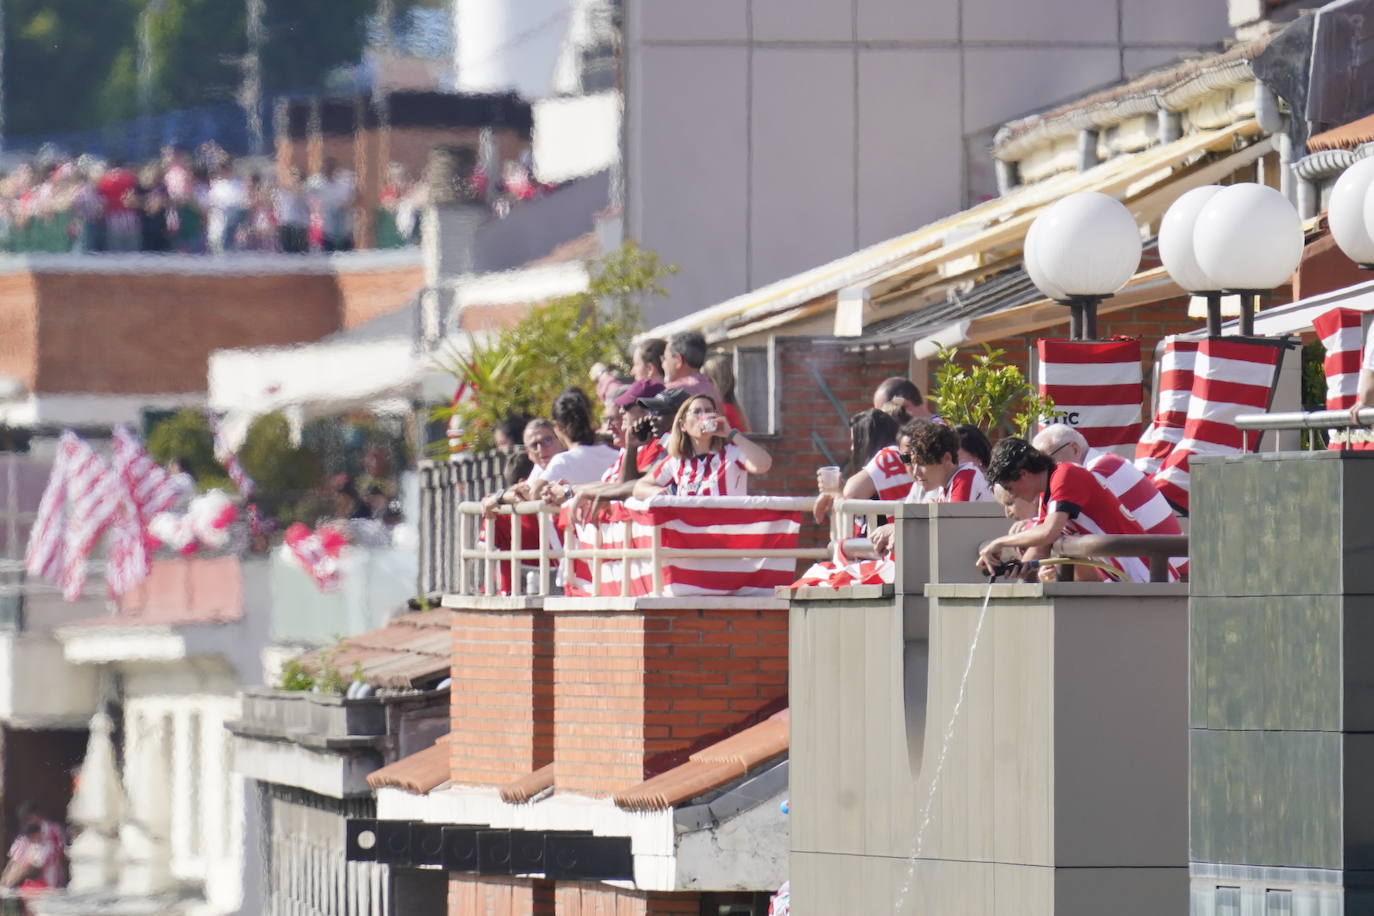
x,y
1081,250
1247,239
1176,251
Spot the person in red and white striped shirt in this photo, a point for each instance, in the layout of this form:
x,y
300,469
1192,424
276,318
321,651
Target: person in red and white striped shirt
x,y
705,456
932,453
1073,501
1129,483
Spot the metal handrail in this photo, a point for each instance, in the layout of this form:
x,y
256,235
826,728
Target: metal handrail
x,y
1306,419
477,562
1159,549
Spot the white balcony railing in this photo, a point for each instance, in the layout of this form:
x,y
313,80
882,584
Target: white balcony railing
x,y
666,546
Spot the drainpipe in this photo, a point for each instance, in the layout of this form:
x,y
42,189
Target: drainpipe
x,y
448,231
1087,150
1170,125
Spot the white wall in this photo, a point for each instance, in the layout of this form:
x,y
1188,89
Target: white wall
x,y
764,137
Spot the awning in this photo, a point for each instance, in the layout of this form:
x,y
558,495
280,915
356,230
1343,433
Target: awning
x,y
976,242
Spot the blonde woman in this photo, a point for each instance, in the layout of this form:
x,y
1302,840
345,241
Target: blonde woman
x,y
706,457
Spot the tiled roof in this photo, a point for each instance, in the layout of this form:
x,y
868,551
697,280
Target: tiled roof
x,y
1346,136
418,773
413,650
710,768
524,789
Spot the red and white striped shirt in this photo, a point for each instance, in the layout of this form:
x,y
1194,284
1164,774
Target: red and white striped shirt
x,y
1092,509
649,454
890,476
719,473
1149,507
968,485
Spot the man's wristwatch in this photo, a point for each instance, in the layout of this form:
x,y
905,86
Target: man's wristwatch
x,y
731,438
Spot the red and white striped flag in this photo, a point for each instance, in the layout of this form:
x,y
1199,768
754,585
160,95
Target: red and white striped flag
x,y
1176,366
81,499
737,523
1096,386
1232,377
316,552
147,490
1342,334
229,458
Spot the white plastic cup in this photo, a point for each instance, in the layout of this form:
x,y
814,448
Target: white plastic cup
x,y
830,479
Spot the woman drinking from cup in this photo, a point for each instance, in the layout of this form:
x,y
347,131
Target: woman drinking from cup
x,y
706,457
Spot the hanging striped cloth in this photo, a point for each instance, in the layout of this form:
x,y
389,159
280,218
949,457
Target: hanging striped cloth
x,y
1342,333
1232,377
1096,386
146,490
81,498
1175,389
227,457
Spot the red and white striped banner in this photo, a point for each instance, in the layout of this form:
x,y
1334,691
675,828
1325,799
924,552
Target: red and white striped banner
x,y
1342,334
739,524
78,504
840,575
1176,366
1232,377
148,490
1096,386
316,552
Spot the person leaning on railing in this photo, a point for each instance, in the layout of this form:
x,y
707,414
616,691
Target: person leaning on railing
x,y
1072,502
706,457
942,470
541,444
875,468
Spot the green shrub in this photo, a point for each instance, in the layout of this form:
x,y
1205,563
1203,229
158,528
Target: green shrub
x,y
285,474
991,394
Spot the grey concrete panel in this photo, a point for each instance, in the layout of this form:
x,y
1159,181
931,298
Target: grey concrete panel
x,y
1121,891
1357,647
1265,797
1270,662
1120,732
687,173
1184,22
700,20
1357,534
786,20
801,692
1267,527
1005,83
902,20
900,152
1040,20
801,176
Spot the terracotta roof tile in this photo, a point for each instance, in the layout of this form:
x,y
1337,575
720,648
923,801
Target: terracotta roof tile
x,y
710,768
412,651
523,790
1346,136
418,773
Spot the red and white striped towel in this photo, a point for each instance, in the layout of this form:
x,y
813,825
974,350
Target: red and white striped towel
x,y
1096,387
1342,334
740,524
78,504
1176,366
1232,377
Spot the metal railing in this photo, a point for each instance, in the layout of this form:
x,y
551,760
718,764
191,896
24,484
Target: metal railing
x,y
444,484
479,560
1307,419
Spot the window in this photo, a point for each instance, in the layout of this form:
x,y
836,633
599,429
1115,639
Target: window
x,y
1228,901
1278,903
754,387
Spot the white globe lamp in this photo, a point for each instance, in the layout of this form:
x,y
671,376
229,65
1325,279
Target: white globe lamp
x,y
1081,250
1178,256
1248,240
1348,213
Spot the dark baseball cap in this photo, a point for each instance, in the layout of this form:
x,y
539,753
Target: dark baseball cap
x,y
644,388
666,402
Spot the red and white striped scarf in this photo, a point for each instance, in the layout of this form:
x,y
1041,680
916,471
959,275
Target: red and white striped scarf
x,y
82,497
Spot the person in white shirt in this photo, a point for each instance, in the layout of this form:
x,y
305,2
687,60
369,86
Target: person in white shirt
x,y
228,201
584,460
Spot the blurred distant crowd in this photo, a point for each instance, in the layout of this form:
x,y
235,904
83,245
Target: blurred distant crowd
x,y
206,201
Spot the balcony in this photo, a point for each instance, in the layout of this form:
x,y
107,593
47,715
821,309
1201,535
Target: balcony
x,y
373,582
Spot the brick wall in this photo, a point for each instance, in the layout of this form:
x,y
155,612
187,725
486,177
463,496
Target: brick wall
x,y
153,333
575,899
474,895
502,695
636,691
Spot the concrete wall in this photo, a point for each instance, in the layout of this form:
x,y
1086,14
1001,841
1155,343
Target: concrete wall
x,y
764,137
1059,786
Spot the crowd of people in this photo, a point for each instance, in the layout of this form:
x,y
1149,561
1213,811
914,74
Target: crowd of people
x,y
206,201
672,425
